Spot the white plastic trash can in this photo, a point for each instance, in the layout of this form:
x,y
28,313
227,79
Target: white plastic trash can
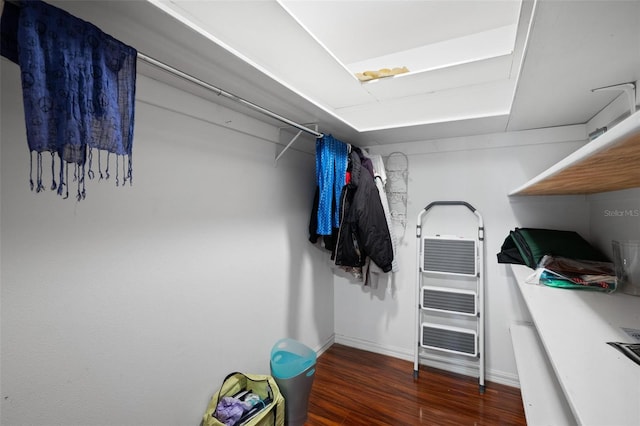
x,y
293,366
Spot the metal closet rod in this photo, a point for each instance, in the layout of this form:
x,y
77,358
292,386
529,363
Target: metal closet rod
x,y
221,92
217,90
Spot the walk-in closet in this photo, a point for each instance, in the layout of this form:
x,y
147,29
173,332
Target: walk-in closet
x,y
215,176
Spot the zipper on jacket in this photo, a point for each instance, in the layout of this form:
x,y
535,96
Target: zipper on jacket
x,y
356,247
342,203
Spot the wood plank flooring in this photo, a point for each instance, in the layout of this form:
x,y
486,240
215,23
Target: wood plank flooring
x,y
355,387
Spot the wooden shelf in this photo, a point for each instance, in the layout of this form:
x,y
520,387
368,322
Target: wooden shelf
x,y
610,162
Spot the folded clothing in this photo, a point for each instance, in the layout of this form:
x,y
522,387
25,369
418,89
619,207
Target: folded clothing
x,y
231,410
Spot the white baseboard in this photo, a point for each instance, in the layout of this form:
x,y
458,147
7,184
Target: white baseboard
x,y
326,345
374,347
461,366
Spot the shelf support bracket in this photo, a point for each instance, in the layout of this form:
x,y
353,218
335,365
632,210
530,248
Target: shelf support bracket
x,y
628,88
295,138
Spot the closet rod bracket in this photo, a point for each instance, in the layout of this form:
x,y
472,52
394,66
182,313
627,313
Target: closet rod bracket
x,y
291,142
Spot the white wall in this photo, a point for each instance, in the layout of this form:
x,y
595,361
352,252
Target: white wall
x,y
130,307
615,216
480,170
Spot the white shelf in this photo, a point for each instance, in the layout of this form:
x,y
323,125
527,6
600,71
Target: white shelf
x,y
608,163
600,384
543,400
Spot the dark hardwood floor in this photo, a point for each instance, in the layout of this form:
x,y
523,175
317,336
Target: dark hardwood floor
x,y
355,387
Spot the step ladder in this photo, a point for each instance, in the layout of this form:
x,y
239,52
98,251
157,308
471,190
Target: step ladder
x,y
450,257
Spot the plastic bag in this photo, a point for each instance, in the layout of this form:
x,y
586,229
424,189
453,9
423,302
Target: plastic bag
x,y
563,272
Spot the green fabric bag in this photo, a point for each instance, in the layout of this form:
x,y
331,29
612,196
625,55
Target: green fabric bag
x,y
532,244
262,385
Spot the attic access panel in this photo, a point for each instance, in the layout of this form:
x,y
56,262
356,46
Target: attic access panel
x,y
421,36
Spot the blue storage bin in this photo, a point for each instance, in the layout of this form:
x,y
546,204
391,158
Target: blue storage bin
x,y
289,358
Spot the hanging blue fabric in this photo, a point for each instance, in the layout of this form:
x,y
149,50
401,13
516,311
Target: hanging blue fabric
x,y
331,169
78,88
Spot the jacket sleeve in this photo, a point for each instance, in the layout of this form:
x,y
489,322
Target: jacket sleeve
x,y
373,231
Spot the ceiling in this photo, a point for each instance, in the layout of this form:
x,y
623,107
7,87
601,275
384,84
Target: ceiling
x,y
475,66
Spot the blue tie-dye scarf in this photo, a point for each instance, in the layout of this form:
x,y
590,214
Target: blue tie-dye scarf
x,y
78,88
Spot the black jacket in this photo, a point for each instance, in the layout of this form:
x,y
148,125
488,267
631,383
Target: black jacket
x,y
363,226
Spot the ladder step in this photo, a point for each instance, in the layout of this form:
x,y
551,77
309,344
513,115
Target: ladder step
x,y
449,339
451,256
449,300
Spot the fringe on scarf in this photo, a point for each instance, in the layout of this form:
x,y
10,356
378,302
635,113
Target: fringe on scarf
x,y
122,163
